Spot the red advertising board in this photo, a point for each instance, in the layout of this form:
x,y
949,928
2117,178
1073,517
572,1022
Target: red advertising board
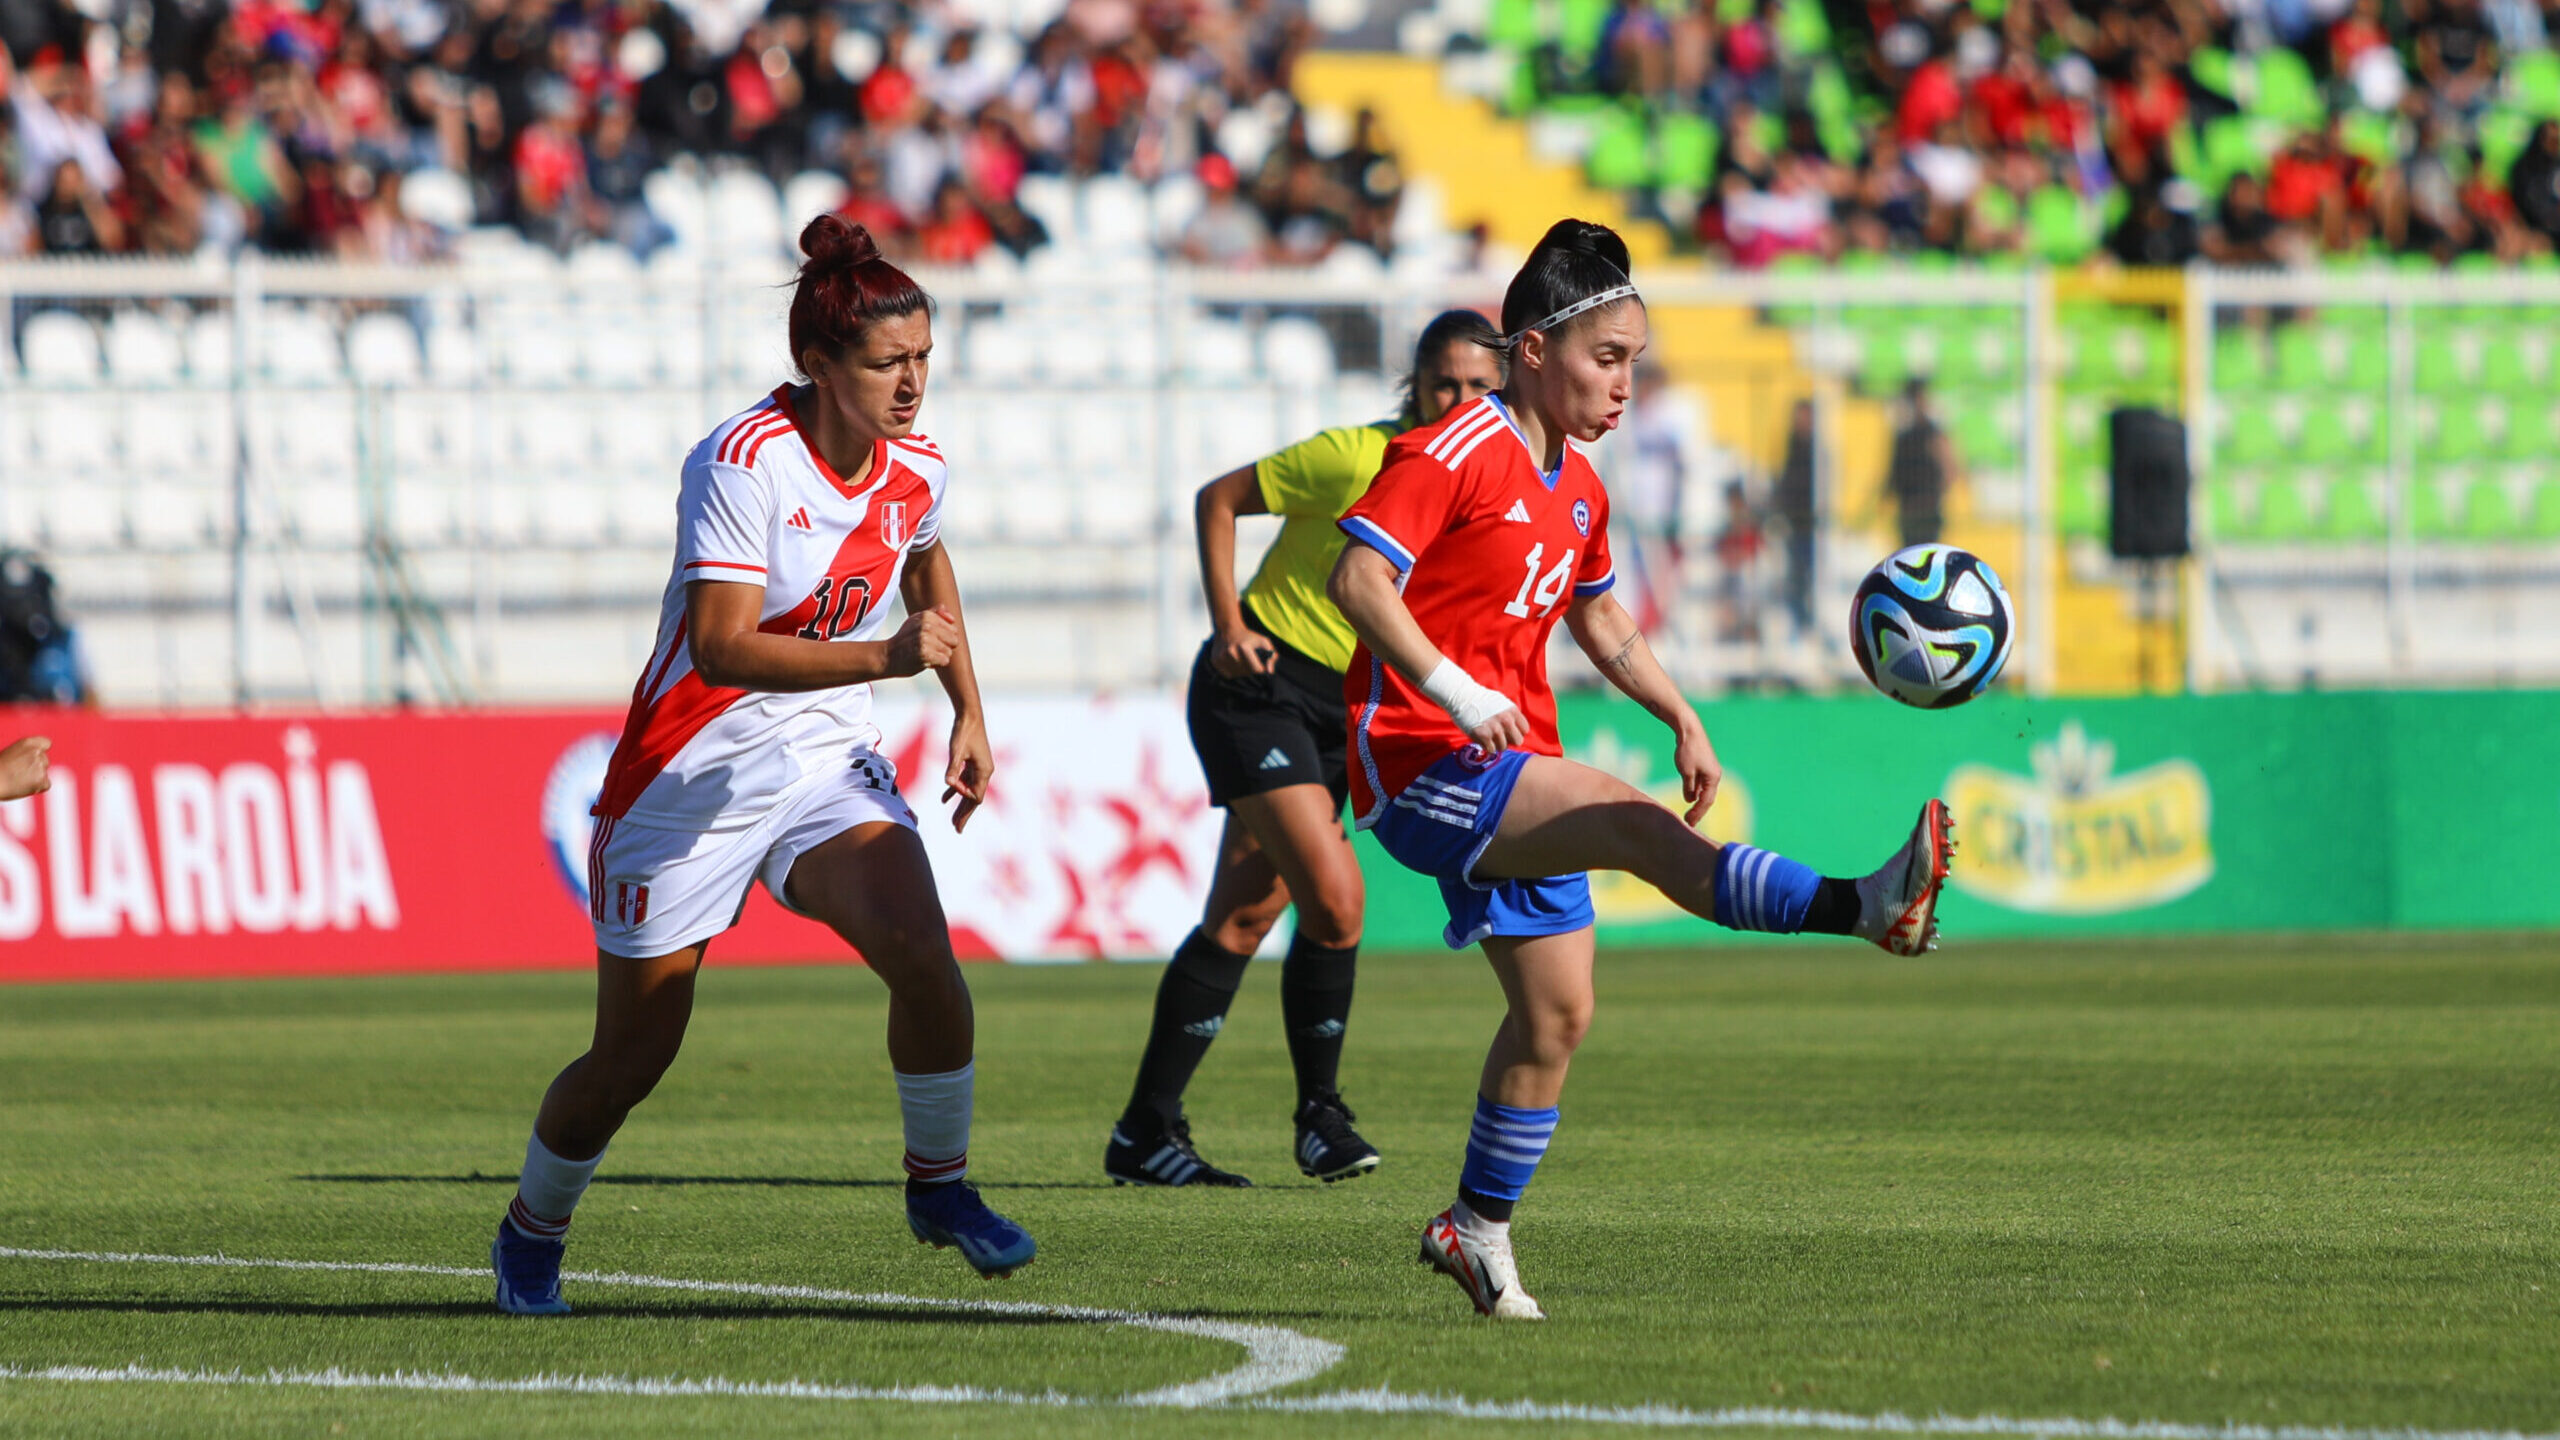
x,y
270,845
191,845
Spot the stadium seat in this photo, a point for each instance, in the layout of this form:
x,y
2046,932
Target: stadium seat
x,y
382,349
1883,363
2440,370
1218,352
1984,353
1980,440
1621,153
1051,200
571,512
2081,505
2355,509
306,438
2284,512
2530,432
2367,363
298,346
428,514
189,431
178,514
1296,351
87,516
2488,512
808,195
2252,438
2430,517
743,216
1177,200
141,349
1685,149
2301,358
2459,432
2231,508
2286,90
1116,216
437,197
453,354
2504,367
995,352
2239,360
320,514
614,356
2542,512
59,348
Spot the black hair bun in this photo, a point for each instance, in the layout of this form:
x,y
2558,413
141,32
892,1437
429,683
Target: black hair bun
x,y
1588,237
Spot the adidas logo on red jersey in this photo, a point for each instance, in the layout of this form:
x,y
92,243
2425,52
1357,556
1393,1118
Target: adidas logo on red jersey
x,y
800,519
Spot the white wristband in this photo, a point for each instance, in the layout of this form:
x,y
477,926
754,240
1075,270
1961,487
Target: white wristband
x,y
1467,702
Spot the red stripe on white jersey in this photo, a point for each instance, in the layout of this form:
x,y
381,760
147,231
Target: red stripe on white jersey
x,y
760,423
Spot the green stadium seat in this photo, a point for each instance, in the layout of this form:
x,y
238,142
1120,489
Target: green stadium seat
x,y
2368,363
2229,504
2081,507
2503,136
2354,510
2529,429
1513,25
2503,367
2239,361
2083,426
1977,437
2533,84
1884,359
2302,359
1684,151
1978,354
2542,512
2286,91
2375,139
2459,433
2439,366
1621,156
2283,512
2059,229
1802,29
2213,69
2331,432
1794,314
2230,145
2430,518
1579,25
2253,438
2487,513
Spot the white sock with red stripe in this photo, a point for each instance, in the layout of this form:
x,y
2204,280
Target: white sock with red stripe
x,y
936,1110
547,1193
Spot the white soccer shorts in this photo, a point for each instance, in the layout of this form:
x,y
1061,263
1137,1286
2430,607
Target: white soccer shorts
x,y
653,892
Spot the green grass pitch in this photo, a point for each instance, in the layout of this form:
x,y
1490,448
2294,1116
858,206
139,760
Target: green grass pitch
x,y
2227,1182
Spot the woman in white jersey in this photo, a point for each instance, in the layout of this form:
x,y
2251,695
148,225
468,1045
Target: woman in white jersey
x,y
749,755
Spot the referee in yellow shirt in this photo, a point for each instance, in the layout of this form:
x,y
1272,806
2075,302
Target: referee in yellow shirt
x,y
1269,723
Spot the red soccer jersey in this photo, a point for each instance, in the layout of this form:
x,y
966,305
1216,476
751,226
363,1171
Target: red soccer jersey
x,y
1489,546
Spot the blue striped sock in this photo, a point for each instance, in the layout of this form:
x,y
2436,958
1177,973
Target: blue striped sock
x,y
1505,1147
1763,890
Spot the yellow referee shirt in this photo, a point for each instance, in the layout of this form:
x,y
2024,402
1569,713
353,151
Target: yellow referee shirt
x,y
1308,486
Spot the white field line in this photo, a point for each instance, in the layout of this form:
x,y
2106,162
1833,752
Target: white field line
x,y
1276,1357
1273,1356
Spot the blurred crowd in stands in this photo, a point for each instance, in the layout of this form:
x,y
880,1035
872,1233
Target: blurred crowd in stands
x,y
2249,132
175,126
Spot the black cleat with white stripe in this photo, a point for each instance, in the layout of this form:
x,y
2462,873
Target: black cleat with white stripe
x,y
1328,1148
1157,1154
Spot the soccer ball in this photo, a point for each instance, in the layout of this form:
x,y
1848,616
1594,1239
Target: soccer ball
x,y
1931,626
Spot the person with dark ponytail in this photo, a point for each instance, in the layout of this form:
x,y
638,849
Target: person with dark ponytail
x,y
1480,533
749,756
1268,723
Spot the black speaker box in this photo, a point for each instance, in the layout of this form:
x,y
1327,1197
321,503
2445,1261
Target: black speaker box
x,y
2147,490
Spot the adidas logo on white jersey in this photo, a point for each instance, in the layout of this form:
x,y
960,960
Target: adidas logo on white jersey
x,y
800,519
1278,759
1519,512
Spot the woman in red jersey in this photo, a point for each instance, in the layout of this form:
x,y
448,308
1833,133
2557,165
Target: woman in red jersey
x,y
749,755
1480,533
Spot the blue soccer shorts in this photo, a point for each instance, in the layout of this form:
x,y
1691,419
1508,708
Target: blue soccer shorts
x,y
1439,827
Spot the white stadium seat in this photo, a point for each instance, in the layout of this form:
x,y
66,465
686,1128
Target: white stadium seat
x,y
60,348
1116,215
1297,352
438,197
1036,507
1219,351
307,437
1051,200
744,215
537,354
320,514
570,512
615,356
1174,203
453,353
142,349
85,513
810,194
675,197
179,514
642,508
428,514
1068,352
1116,508
994,352
382,349
71,436
299,347
208,347
186,431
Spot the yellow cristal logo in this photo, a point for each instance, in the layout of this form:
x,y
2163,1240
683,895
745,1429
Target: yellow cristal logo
x,y
1621,899
2076,839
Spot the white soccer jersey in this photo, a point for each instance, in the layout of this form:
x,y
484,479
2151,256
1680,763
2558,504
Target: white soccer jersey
x,y
760,506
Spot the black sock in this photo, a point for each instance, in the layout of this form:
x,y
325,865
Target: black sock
x,y
1191,1007
917,1187
1834,910
1315,1003
1486,1207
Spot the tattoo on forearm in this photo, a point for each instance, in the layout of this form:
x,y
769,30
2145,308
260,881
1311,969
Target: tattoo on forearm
x,y
1624,662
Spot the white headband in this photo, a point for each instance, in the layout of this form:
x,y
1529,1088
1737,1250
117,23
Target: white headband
x,y
1608,296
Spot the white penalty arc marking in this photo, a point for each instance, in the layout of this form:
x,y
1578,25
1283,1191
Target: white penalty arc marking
x,y
1274,1357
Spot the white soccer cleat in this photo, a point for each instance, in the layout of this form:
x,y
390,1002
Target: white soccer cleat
x,y
1898,905
1482,1267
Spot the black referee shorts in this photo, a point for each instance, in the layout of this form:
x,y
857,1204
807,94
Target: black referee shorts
x,y
1255,733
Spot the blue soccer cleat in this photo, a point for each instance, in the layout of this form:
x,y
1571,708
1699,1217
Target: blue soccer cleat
x,y
953,1216
528,1272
